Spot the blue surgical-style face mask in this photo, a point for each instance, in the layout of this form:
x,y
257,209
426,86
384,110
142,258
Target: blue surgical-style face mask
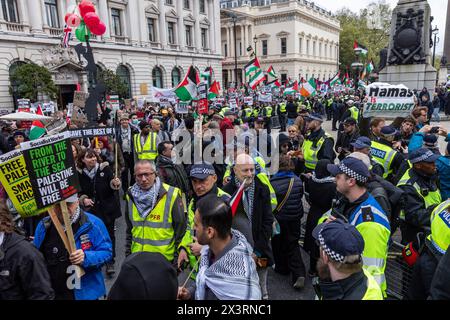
x,y
135,121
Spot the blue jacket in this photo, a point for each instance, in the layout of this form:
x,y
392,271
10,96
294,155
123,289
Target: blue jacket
x,y
442,164
100,252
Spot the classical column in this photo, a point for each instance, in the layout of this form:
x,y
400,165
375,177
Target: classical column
x,y
218,29
180,34
162,23
212,27
143,29
232,41
447,34
197,31
44,13
250,36
104,16
242,42
228,42
133,16
35,16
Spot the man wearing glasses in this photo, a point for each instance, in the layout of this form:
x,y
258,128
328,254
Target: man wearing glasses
x,y
155,217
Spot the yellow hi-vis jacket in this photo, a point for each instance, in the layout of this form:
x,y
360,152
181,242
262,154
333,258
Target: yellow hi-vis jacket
x,y
149,151
384,155
310,152
155,232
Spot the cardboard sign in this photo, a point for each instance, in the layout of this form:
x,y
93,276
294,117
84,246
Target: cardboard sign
x,y
24,106
248,101
51,168
79,98
56,126
181,107
202,106
385,100
14,178
265,97
91,132
78,116
144,89
233,104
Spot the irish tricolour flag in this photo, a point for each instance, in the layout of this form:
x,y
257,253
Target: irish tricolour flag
x,y
187,89
308,88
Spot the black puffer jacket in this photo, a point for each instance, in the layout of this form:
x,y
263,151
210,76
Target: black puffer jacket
x,y
293,207
23,273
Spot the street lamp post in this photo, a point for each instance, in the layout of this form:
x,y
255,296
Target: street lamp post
x,y
435,31
234,19
255,41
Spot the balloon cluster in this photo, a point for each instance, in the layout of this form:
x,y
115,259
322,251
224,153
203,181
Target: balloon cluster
x,y
87,22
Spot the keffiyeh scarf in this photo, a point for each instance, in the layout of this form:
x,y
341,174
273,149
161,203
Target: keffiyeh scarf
x,y
232,277
248,197
145,200
323,180
91,174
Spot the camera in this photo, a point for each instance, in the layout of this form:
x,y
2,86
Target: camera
x,y
434,130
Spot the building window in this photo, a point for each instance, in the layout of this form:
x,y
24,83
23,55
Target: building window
x,y
124,75
308,52
225,50
169,2
176,77
117,27
157,77
171,32
10,12
283,78
300,45
202,6
283,46
204,38
151,29
325,51
188,35
51,10
264,47
187,4
314,48
320,50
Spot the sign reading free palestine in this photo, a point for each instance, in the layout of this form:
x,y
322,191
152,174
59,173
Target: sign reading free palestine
x,y
51,169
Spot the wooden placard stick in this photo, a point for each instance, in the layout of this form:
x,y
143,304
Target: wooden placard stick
x,y
79,271
59,227
115,158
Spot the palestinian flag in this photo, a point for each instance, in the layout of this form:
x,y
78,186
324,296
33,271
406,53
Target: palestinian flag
x,y
207,74
291,90
370,67
256,79
271,72
187,89
214,90
335,80
308,88
252,67
363,49
274,83
37,127
347,80
361,84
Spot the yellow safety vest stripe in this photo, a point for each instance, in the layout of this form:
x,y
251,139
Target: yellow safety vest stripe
x,y
149,151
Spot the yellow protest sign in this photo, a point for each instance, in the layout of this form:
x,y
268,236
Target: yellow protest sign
x,y
14,178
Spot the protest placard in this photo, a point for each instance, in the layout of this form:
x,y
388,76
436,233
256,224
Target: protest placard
x,y
51,169
386,100
78,116
56,126
91,132
14,178
143,89
265,97
181,107
248,101
233,104
113,101
79,98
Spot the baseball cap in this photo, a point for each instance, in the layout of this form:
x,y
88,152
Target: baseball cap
x,y
422,155
202,171
361,143
339,239
350,121
352,167
430,141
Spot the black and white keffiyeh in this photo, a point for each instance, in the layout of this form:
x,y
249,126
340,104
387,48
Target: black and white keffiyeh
x,y
233,276
145,200
91,173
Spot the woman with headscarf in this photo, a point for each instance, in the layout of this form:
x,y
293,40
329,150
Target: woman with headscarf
x,y
320,190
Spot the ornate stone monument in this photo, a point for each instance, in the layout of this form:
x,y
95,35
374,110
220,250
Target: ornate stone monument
x,y
409,52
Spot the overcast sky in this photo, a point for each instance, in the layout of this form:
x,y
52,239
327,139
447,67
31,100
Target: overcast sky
x,y
438,11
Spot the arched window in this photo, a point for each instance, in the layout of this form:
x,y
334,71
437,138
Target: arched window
x,y
15,84
157,77
124,75
176,77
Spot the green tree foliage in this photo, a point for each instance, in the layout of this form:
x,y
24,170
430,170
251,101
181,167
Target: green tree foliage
x,y
33,80
113,83
370,28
